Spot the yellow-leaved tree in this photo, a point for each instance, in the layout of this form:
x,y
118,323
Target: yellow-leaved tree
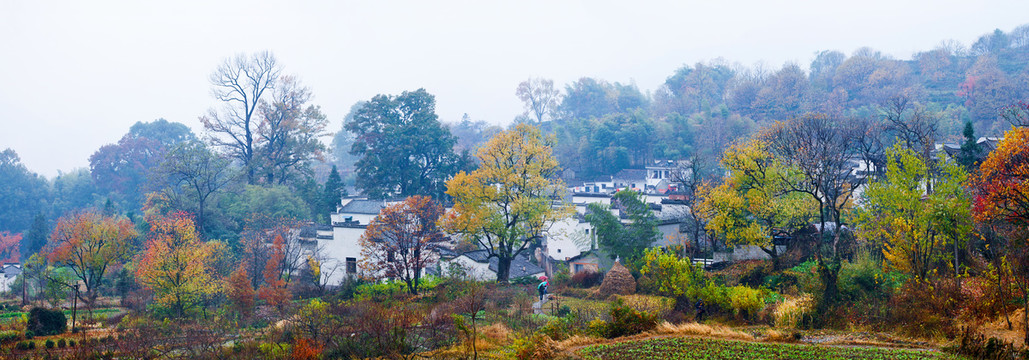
x,y
507,204
753,202
915,224
176,265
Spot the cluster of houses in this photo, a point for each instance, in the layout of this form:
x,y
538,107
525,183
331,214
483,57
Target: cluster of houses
x,y
571,241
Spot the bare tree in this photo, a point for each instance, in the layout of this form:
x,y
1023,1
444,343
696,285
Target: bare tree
x,y
191,172
240,82
692,174
820,148
540,97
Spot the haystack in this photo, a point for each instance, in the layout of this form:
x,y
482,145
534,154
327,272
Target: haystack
x,y
619,281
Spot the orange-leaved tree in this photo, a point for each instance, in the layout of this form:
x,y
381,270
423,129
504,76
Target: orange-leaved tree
x,y
1001,190
274,290
240,293
176,265
398,242
89,243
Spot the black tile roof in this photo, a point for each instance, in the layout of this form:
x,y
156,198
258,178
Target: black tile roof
x,y
520,265
371,207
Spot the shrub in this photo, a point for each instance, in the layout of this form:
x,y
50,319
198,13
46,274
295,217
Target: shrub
x,y
61,343
536,347
8,336
71,343
46,322
628,321
50,343
22,345
557,329
744,301
32,345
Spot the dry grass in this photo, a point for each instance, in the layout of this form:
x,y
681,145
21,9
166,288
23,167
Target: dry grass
x,y
790,312
780,336
696,329
999,328
496,331
579,341
652,304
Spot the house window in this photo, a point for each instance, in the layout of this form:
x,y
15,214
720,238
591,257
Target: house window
x,y
578,268
351,265
587,231
558,251
389,256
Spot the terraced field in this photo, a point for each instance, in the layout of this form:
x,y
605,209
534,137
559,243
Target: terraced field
x,y
686,348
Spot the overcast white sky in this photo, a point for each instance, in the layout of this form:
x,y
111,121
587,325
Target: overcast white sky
x,y
74,75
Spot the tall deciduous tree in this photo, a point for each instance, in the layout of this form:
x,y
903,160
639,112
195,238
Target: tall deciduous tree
x,y
1001,195
507,204
288,132
753,202
1002,185
539,97
240,83
404,149
89,243
916,226
176,265
35,238
627,241
192,174
399,242
820,148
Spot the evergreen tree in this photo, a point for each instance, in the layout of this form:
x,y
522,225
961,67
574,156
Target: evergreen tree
x,y
334,190
36,237
970,150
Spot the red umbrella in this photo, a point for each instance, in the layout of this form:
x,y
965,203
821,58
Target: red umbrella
x,y
543,278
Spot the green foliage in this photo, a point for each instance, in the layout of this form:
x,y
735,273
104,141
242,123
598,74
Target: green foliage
x,y
387,289
274,202
24,193
404,148
673,276
744,301
913,225
7,336
624,321
625,241
50,343
47,322
61,343
558,329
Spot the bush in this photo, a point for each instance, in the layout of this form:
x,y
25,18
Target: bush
x,y
61,343
628,321
32,345
45,322
536,347
8,336
557,329
22,345
71,343
50,343
587,279
744,301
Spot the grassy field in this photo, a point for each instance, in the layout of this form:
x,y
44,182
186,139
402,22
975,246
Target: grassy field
x,y
685,348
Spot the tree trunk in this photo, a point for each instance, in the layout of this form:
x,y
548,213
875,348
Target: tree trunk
x,y
503,269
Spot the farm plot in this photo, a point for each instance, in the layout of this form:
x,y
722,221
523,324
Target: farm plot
x,y
685,348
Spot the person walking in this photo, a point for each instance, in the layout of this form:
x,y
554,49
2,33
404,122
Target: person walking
x,y
542,287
